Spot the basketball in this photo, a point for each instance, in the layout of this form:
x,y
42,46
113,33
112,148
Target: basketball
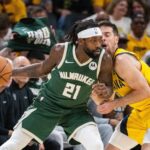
x,y
5,71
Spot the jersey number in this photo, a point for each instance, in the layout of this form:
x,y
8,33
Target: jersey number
x,y
71,90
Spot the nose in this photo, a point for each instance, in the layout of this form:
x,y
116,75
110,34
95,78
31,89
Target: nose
x,y
103,38
98,44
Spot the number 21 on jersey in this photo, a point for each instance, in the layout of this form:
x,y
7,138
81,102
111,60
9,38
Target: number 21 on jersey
x,y
71,90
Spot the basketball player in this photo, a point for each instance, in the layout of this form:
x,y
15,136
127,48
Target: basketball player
x,y
73,68
131,80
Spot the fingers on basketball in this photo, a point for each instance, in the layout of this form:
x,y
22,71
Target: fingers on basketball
x,y
5,71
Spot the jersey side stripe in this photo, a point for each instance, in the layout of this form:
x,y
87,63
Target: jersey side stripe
x,y
100,61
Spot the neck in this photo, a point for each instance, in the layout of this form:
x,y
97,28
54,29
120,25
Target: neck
x,y
114,50
20,84
81,55
138,37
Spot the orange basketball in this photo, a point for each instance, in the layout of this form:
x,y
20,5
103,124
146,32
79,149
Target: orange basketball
x,y
5,71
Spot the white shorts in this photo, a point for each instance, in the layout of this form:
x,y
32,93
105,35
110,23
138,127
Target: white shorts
x,y
122,141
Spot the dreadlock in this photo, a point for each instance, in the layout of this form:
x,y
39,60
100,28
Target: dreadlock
x,y
77,27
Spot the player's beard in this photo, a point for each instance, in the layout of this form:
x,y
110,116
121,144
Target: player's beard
x,y
92,54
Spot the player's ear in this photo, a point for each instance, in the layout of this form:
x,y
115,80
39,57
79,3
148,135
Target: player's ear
x,y
116,39
80,41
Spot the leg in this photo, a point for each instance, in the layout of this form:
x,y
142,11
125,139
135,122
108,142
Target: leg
x,y
106,132
18,140
120,141
146,141
111,147
51,144
89,137
146,146
54,141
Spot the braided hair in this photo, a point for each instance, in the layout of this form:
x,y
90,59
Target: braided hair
x,y
77,27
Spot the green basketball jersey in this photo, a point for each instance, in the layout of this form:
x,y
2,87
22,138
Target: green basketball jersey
x,y
70,83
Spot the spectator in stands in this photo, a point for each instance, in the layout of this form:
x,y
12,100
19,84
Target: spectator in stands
x,y
36,12
137,6
5,30
69,11
138,41
117,11
140,6
6,114
48,5
20,91
42,12
14,8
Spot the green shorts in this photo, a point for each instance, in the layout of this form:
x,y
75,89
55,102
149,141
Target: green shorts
x,y
40,121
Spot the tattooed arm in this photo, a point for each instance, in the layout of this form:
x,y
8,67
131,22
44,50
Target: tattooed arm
x,y
40,69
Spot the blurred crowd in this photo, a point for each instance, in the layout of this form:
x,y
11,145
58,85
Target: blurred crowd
x,y
21,21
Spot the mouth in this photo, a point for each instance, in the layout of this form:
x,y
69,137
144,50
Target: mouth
x,y
104,46
96,52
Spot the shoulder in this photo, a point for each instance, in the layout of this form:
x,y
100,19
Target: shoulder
x,y
58,47
127,19
126,60
57,52
124,57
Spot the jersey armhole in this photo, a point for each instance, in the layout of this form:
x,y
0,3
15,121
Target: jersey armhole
x,y
64,55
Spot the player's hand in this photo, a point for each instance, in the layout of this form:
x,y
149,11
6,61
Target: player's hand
x,y
101,90
99,93
113,122
106,107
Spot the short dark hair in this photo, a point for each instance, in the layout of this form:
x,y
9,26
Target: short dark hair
x,y
109,24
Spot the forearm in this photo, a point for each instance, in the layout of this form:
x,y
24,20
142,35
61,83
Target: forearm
x,y
32,71
133,97
110,93
100,93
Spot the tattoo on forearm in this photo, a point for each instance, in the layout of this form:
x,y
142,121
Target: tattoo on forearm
x,y
32,71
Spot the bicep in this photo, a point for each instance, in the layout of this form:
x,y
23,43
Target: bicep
x,y
53,59
131,74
